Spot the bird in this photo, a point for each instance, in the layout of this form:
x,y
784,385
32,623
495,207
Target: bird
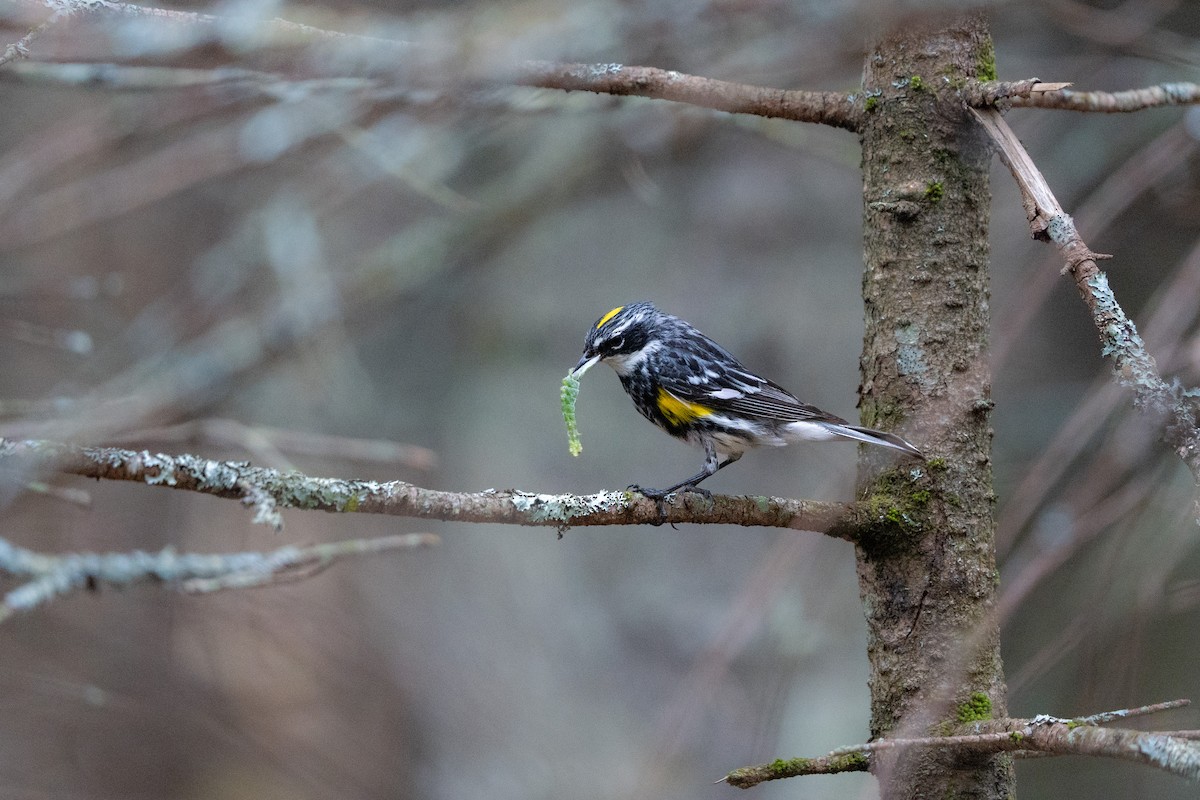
x,y
696,390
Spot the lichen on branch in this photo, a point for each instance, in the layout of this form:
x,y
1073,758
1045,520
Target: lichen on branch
x,y
1173,406
270,490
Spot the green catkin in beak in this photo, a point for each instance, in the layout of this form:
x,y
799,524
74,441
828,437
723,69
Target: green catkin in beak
x,y
570,391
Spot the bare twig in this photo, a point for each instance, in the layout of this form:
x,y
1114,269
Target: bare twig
x,y
989,93
1164,94
52,576
1134,367
134,78
1033,93
269,490
828,108
20,48
1141,711
1120,188
1163,330
269,31
1041,735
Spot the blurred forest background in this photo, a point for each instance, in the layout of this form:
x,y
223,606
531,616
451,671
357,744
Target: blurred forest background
x,y
185,266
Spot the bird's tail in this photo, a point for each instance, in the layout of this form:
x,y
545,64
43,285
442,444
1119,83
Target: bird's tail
x,y
880,438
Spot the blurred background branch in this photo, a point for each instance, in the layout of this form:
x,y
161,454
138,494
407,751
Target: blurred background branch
x,y
52,576
331,238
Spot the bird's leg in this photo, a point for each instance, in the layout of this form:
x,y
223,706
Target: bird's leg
x,y
711,464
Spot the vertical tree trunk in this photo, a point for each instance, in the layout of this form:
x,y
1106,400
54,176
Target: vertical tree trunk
x,y
927,575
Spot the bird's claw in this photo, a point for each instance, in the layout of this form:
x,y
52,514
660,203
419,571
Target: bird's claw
x,y
659,496
652,494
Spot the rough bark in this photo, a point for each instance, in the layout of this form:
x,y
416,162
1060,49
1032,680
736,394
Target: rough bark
x,y
929,592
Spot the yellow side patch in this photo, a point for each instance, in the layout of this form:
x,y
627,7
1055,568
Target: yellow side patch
x,y
609,316
680,412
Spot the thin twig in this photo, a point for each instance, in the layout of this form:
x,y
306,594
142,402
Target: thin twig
x,y
1141,711
837,109
1033,93
829,108
310,561
1163,330
272,31
1040,736
20,48
1164,94
989,93
52,576
1133,366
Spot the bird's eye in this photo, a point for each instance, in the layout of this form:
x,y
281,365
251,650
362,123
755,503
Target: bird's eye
x,y
617,344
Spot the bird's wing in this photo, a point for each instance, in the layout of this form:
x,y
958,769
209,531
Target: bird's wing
x,y
725,386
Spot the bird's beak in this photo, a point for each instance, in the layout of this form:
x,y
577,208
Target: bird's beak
x,y
584,365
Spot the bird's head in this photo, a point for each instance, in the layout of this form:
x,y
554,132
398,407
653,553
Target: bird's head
x,y
621,338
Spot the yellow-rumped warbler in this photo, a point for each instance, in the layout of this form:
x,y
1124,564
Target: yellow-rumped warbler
x,y
694,389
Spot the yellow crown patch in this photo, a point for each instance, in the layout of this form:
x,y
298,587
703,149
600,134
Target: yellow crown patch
x,y
607,317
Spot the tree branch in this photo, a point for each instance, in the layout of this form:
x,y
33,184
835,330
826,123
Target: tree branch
x,y
53,576
837,109
1041,735
1128,713
1033,93
1164,94
269,490
827,108
275,30
20,48
1133,366
989,93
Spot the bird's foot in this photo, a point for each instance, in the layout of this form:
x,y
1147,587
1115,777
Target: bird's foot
x,y
653,494
659,496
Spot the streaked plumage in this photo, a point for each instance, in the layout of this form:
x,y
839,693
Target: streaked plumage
x,y
696,390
